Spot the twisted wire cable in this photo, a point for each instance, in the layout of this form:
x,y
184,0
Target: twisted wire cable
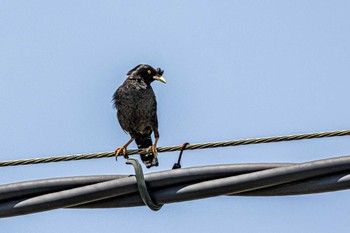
x,y
178,148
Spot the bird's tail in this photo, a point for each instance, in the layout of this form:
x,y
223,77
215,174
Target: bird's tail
x,y
144,142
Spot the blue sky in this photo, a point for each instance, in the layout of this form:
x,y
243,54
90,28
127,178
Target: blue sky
x,y
235,69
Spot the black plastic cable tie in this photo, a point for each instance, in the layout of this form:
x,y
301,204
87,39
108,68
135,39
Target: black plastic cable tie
x,y
178,164
141,185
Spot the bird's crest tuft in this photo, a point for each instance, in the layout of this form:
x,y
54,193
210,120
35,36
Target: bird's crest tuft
x,y
160,71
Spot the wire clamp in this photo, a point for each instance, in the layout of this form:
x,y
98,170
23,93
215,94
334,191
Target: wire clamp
x,y
141,185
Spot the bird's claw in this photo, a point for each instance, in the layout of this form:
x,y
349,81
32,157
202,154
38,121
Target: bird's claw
x,y
152,149
119,150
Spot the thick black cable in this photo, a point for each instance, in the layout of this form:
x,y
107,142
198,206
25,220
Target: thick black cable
x,y
329,183
19,205
189,184
39,187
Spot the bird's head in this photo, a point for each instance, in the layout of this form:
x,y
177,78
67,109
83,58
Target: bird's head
x,y
148,73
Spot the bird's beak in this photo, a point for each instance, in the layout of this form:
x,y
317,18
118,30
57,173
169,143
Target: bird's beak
x,y
159,78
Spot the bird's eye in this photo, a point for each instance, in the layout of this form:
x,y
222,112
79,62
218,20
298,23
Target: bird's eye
x,y
149,71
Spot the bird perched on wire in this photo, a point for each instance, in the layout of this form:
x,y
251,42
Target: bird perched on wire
x,y
136,107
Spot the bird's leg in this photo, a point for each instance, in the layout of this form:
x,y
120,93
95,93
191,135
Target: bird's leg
x,y
153,148
123,148
154,161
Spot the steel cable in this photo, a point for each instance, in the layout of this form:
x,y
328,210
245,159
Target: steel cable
x,y
178,148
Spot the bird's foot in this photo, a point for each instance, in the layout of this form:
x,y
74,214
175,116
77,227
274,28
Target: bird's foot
x,y
152,149
120,150
154,161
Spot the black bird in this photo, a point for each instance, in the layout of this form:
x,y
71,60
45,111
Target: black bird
x,y
137,111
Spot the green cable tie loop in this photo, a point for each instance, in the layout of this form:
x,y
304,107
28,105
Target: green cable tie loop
x,y
141,185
